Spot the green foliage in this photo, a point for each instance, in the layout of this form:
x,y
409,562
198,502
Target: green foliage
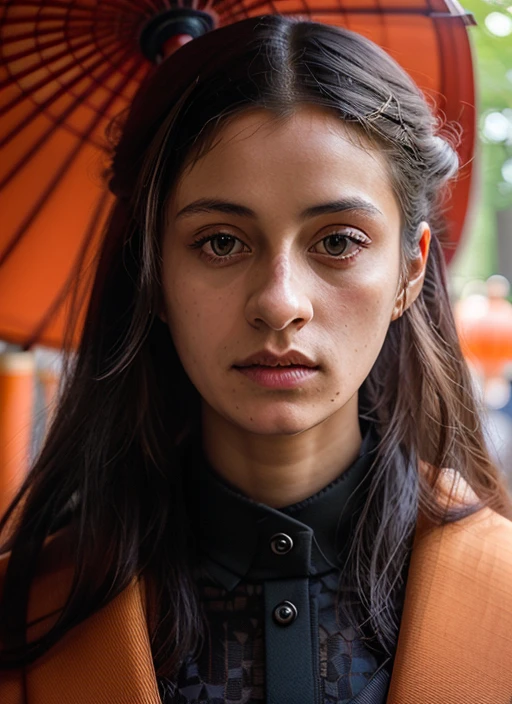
x,y
493,64
493,74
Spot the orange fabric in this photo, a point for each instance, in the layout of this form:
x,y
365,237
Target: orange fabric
x,y
455,643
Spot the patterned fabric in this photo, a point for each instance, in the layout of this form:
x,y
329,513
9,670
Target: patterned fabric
x,y
230,668
243,579
346,664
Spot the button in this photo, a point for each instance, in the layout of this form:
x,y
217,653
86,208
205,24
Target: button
x,y
285,613
280,543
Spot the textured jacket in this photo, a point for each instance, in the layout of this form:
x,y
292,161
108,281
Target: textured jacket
x,y
454,646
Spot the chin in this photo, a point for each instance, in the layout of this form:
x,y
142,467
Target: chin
x,y
276,423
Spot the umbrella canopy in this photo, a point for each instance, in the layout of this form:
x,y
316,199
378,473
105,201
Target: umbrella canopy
x,y
68,67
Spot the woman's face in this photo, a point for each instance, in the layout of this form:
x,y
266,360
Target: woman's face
x,y
284,238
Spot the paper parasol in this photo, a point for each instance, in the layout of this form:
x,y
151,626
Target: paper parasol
x,y
67,68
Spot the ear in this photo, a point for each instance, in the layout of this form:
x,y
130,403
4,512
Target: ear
x,y
415,274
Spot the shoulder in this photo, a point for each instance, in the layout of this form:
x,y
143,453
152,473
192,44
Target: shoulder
x,y
478,547
460,575
75,668
454,643
51,584
471,557
483,533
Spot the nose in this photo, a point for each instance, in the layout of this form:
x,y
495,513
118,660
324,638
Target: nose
x,y
280,297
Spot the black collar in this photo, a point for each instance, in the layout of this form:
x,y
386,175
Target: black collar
x,y
239,538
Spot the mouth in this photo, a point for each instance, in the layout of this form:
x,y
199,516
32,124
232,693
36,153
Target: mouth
x,y
275,366
278,376
269,358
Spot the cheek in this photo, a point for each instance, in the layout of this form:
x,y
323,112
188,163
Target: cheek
x,y
199,318
360,313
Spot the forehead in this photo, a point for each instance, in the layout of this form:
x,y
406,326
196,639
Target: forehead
x,y
309,154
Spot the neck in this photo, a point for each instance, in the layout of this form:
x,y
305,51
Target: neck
x,y
280,470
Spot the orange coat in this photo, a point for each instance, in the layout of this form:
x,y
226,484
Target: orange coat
x,y
454,647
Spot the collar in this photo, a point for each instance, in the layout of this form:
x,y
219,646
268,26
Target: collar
x,y
238,538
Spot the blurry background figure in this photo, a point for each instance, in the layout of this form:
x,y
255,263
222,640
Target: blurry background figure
x,y
499,423
484,322
29,383
16,411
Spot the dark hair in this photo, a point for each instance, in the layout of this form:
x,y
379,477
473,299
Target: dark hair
x,y
109,469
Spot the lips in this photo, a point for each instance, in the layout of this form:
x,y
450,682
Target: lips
x,y
266,358
279,375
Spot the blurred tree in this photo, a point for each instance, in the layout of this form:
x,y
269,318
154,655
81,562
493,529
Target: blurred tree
x,y
492,43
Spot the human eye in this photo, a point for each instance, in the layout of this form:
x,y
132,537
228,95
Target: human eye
x,y
342,244
219,247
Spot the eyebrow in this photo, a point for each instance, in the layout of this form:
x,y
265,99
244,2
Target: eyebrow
x,y
210,205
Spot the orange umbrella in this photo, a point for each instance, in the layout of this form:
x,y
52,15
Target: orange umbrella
x,y
67,67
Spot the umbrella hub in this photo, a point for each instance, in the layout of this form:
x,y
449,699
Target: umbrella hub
x,y
168,30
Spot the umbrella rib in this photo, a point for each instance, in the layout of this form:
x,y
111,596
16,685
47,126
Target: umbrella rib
x,y
33,51
64,4
54,5
13,38
81,10
369,10
133,8
79,259
57,74
75,270
64,89
92,20
55,180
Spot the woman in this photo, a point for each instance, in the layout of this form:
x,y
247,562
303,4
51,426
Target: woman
x,y
244,494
